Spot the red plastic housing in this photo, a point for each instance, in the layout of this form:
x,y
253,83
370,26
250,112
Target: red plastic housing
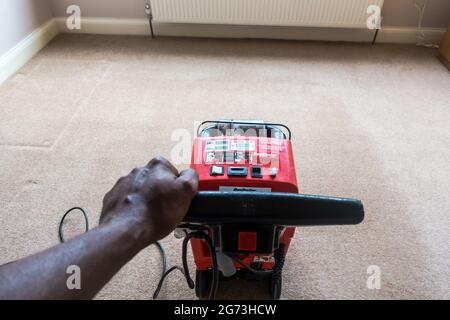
x,y
275,159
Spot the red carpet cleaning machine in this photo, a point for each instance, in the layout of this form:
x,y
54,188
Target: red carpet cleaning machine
x,y
243,219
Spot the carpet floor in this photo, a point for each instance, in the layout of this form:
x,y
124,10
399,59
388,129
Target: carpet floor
x,y
370,122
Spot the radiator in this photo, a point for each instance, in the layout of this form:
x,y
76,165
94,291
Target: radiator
x,y
305,13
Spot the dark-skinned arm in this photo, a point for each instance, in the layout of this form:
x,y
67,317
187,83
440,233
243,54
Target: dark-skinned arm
x,y
142,208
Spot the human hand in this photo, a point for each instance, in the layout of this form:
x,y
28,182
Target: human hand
x,y
156,197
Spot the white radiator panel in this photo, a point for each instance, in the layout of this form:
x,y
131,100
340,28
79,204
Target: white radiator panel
x,y
306,13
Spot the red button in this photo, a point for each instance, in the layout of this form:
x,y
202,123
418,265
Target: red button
x,y
247,241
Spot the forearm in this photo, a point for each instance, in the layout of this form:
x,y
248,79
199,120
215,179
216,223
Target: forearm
x,y
141,208
99,254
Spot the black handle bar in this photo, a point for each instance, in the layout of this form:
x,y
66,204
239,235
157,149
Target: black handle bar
x,y
285,209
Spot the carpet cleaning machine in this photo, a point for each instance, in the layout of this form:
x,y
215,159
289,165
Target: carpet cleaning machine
x,y
243,218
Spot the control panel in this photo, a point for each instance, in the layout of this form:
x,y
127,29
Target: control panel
x,y
243,163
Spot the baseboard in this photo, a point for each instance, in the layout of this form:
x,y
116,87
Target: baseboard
x,y
21,53
141,27
406,35
264,32
409,35
444,61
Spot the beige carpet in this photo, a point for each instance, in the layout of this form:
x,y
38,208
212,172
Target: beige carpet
x,y
371,122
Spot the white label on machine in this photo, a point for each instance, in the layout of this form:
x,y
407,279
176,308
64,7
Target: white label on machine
x,y
252,189
243,145
217,145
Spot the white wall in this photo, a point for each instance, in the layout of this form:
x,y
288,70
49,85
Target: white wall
x,y
403,13
400,13
18,18
102,8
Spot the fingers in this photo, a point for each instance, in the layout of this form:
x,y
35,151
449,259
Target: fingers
x,y
161,161
140,179
188,181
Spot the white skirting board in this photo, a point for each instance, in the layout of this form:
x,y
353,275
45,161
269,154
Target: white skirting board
x,y
141,27
21,53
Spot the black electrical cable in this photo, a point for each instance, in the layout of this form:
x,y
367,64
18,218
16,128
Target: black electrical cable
x,y
163,256
163,277
184,260
185,268
165,272
215,268
61,223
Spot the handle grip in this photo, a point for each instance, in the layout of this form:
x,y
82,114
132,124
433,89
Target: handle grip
x,y
285,209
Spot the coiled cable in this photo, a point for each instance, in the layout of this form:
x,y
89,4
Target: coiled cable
x,y
165,272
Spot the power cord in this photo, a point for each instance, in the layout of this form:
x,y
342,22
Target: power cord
x,y
61,223
185,269
165,272
215,267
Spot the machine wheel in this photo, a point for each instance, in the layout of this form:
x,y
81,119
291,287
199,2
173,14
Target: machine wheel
x,y
275,286
203,283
